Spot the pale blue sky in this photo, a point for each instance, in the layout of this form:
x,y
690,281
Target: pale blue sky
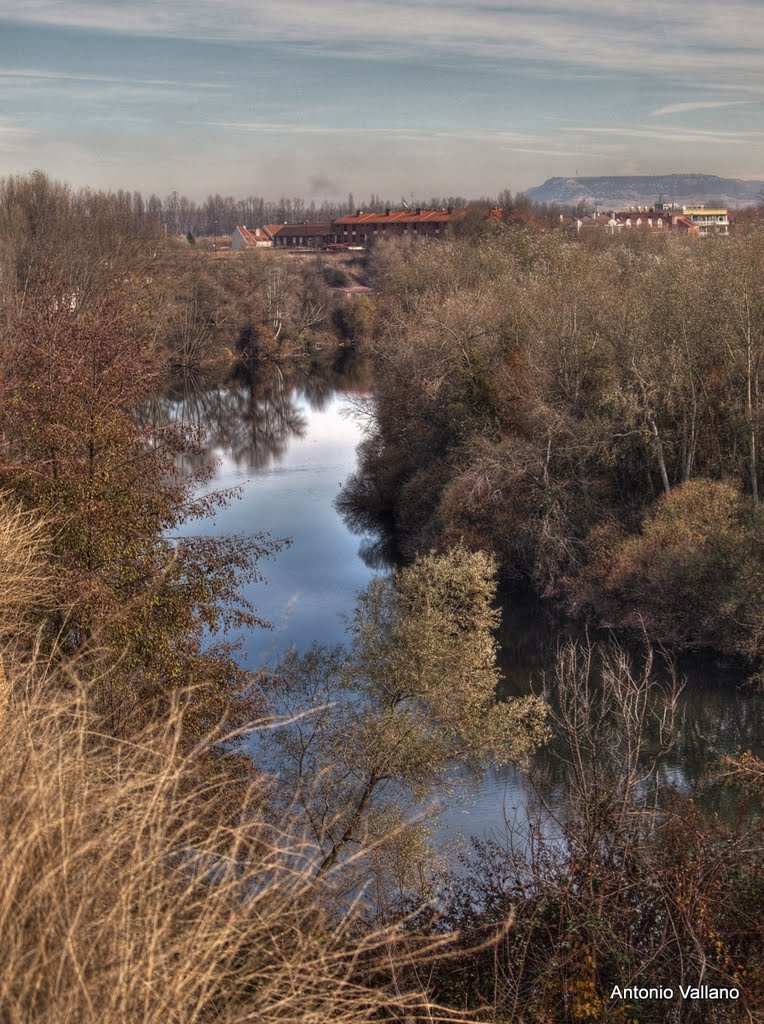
x,y
318,98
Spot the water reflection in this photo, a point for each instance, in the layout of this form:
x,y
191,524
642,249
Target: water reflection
x,y
261,419
287,439
283,439
718,714
252,412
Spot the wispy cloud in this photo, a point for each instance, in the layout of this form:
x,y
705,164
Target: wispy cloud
x,y
550,152
678,39
410,131
9,128
36,75
682,108
675,135
468,94
14,135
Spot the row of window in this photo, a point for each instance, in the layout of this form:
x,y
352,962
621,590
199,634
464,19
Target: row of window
x,y
383,227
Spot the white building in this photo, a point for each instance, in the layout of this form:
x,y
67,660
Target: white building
x,y
707,222
243,238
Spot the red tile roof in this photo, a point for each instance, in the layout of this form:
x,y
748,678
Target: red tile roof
x,y
301,230
403,217
253,237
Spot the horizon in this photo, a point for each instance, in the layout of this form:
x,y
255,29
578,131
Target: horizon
x,y
455,97
370,201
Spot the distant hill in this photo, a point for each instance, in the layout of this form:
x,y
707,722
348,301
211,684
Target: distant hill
x,y
645,189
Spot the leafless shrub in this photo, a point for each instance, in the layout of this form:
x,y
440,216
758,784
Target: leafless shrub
x,y
631,883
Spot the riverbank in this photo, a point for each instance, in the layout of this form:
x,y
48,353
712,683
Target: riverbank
x,y
590,415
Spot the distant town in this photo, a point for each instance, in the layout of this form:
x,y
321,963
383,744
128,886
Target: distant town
x,y
362,228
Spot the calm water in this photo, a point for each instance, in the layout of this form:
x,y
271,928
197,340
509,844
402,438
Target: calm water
x,y
288,445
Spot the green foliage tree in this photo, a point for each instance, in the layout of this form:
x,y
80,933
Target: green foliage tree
x,y
412,697
354,318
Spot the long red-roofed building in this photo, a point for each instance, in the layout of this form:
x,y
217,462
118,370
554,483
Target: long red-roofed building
x,y
357,229
360,228
302,236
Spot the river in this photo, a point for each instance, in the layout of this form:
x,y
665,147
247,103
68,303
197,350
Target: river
x,y
287,444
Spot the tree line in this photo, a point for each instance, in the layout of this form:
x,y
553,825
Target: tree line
x,y
218,214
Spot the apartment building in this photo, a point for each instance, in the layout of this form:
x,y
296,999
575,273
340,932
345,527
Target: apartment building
x,y
707,222
691,220
362,227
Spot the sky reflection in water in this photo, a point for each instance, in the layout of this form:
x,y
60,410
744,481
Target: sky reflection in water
x,y
313,582
290,449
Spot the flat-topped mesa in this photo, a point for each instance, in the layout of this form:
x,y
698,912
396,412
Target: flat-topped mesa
x,y
630,191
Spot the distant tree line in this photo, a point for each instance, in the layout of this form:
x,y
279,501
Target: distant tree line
x,y
219,214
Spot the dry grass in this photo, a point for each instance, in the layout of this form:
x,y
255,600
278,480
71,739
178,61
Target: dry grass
x,y
118,906
23,576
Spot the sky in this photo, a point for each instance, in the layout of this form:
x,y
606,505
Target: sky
x,y
318,98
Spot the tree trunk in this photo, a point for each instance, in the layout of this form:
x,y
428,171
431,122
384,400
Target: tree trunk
x,y
752,396
659,451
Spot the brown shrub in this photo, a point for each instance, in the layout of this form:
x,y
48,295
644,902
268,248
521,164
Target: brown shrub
x,y
690,579
23,575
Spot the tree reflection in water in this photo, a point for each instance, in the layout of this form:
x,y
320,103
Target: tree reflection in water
x,y
250,412
719,715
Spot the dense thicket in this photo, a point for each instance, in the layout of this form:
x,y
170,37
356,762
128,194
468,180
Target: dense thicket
x,y
551,399
636,889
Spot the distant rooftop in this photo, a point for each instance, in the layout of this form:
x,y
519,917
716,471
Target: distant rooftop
x,y
418,215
